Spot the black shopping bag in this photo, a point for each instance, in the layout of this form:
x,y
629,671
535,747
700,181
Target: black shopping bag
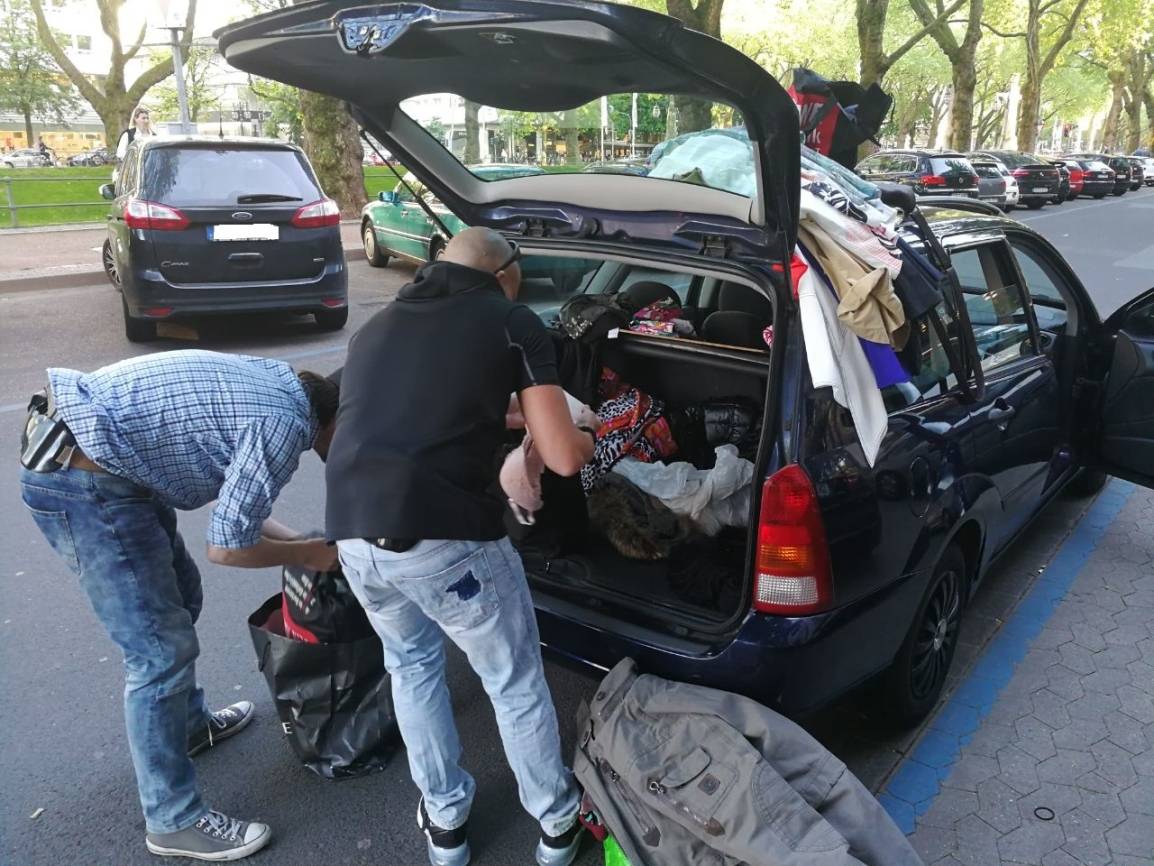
x,y
333,699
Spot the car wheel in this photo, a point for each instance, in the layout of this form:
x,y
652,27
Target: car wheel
x,y
331,320
137,330
1036,204
1099,195
108,259
9,165
914,682
98,160
373,253
436,244
1088,483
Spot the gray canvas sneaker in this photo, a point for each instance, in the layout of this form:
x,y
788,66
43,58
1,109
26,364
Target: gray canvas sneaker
x,y
220,726
214,837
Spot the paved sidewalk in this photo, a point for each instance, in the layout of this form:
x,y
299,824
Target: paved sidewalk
x,y
1045,753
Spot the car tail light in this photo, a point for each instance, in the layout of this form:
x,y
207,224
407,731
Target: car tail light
x,y
1021,172
317,215
157,312
333,303
141,214
932,180
792,566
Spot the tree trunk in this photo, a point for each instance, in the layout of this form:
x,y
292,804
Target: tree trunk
x,y
689,114
27,112
1114,115
1137,87
1028,111
472,133
572,138
965,80
1148,100
871,24
115,115
333,146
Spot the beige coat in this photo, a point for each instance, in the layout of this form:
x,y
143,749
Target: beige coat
x,y
868,305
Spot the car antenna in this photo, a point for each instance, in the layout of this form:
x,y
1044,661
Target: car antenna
x,y
421,201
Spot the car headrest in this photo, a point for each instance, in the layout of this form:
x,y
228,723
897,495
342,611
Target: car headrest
x,y
735,297
898,195
641,294
734,328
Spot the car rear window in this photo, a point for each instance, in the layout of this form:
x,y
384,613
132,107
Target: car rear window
x,y
950,164
986,170
220,177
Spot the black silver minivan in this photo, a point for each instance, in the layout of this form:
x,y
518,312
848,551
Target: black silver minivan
x,y
204,226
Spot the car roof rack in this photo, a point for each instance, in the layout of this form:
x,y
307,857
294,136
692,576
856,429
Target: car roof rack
x,y
967,204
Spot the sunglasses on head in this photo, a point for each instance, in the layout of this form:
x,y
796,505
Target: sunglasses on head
x,y
514,256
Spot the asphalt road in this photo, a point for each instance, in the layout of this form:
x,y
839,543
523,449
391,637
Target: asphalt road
x,y
61,730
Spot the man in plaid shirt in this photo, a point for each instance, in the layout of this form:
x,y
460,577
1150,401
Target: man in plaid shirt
x,y
153,434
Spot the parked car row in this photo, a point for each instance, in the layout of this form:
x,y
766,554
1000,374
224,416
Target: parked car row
x,y
1007,178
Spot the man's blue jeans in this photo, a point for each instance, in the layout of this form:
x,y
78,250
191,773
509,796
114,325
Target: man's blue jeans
x,y
145,588
475,593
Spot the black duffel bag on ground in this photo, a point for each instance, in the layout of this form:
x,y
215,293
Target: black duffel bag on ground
x,y
333,699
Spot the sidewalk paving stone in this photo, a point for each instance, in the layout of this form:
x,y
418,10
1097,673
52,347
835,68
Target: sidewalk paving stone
x,y
1052,763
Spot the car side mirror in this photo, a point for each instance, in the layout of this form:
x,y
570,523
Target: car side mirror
x,y
107,192
389,196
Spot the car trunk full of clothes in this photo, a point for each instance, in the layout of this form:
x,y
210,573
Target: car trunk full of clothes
x,y
660,518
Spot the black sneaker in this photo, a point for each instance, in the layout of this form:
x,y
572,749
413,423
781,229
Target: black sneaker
x,y
214,837
560,850
446,847
221,725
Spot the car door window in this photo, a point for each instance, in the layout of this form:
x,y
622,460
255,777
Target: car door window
x,y
126,177
1042,282
995,303
927,359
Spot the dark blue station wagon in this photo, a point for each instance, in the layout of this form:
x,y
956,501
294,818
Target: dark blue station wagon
x,y
846,572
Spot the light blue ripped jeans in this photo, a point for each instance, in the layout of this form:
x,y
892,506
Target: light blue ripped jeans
x,y
476,593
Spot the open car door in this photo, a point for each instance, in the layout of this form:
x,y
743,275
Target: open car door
x,y
545,57
1126,430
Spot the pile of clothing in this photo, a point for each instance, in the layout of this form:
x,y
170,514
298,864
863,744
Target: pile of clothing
x,y
664,484
862,288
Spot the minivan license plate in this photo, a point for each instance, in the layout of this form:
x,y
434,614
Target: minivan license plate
x,y
254,232
1041,189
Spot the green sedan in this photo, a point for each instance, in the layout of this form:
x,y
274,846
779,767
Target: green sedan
x,y
396,226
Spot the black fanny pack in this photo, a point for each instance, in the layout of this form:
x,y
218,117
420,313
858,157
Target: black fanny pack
x,y
46,443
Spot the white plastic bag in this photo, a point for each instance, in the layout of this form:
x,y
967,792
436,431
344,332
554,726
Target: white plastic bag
x,y
711,498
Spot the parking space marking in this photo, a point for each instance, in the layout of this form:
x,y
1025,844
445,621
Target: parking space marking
x,y
917,779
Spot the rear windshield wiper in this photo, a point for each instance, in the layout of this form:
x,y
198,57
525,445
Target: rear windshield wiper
x,y
261,197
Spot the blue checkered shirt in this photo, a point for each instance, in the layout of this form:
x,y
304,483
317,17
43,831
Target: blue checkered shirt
x,y
194,426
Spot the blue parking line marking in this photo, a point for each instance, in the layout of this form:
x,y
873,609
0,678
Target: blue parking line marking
x,y
915,784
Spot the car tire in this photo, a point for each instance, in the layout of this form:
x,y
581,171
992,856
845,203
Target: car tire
x,y
1036,204
331,320
137,330
911,687
436,244
373,253
1098,195
1089,482
108,261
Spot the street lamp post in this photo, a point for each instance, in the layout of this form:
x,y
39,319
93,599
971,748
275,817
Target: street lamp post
x,y
178,71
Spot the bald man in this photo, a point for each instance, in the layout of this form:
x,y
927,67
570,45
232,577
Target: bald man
x,y
422,541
